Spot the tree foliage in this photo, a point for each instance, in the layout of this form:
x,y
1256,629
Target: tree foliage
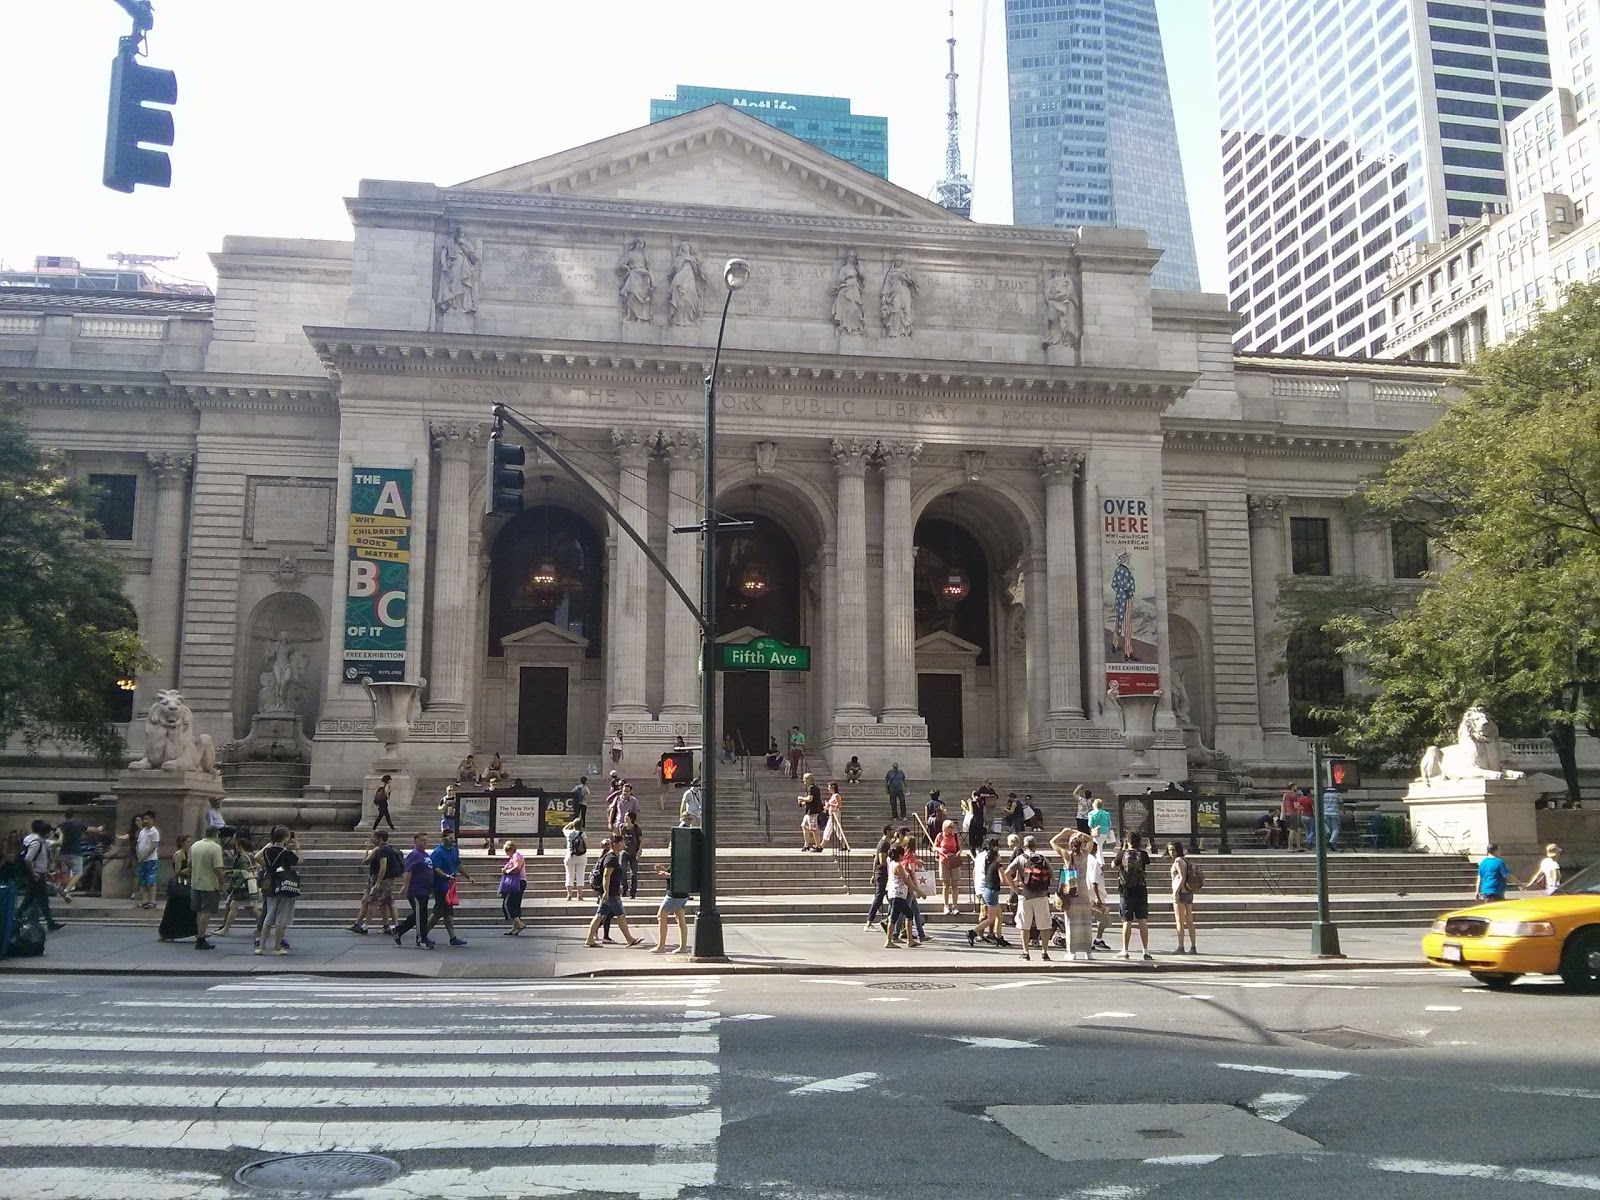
x,y
67,633
1507,486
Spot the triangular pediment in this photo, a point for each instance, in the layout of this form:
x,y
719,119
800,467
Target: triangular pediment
x,y
545,634
714,156
942,642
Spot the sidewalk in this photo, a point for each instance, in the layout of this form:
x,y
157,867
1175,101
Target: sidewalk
x,y
546,953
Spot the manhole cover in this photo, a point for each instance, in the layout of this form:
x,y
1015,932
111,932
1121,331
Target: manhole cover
x,y
1354,1039
911,986
316,1174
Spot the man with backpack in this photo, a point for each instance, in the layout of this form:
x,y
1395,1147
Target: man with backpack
x,y
384,865
607,884
1033,878
36,857
1132,860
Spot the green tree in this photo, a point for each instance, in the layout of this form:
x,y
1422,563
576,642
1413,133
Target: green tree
x,y
1507,485
67,633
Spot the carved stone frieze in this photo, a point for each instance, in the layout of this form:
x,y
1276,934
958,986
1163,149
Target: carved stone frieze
x,y
898,459
1266,510
456,440
1060,462
766,457
170,469
851,457
633,447
972,463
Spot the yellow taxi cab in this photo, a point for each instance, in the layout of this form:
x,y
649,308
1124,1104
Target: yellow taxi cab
x,y
1499,942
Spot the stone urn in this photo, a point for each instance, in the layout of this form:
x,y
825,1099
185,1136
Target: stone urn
x,y
392,708
1139,731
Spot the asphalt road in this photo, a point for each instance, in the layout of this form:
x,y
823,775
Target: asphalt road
x,y
1392,1083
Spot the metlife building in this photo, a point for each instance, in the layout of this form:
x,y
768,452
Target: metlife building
x,y
824,121
1351,128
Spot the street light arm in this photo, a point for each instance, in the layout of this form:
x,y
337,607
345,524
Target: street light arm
x,y
510,417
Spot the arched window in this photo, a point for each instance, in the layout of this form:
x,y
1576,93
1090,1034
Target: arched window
x,y
951,584
758,580
1316,680
546,567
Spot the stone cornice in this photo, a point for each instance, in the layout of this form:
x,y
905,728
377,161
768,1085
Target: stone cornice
x,y
292,394
1280,441
397,352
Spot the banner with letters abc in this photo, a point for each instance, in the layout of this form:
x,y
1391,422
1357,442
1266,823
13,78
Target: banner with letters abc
x,y
1132,632
378,574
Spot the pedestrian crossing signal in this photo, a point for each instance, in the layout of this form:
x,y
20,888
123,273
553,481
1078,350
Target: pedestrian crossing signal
x,y
677,768
1344,773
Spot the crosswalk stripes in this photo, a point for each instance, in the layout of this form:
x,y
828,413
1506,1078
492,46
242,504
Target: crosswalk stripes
x,y
479,1092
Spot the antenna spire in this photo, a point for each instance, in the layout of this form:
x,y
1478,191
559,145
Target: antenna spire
x,y
955,189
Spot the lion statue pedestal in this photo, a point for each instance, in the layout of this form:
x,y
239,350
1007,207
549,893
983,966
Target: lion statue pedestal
x,y
176,777
1465,799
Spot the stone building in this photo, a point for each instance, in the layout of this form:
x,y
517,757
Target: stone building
x,y
988,469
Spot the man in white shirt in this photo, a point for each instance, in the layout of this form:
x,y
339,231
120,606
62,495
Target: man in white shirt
x,y
689,806
36,857
1094,883
147,857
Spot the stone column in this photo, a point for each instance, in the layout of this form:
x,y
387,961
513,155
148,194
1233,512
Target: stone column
x,y
630,595
850,461
1453,340
1266,565
459,446
1371,541
164,609
1060,467
898,460
1037,637
681,451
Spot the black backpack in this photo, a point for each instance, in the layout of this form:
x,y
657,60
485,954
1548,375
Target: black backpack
x,y
1037,876
1133,868
580,846
597,877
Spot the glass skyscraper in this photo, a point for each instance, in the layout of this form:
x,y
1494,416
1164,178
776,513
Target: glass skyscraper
x,y
1352,127
824,121
1092,136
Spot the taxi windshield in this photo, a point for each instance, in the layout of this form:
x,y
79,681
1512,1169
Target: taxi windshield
x,y
1585,883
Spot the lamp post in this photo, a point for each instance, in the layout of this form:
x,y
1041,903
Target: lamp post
x,y
708,923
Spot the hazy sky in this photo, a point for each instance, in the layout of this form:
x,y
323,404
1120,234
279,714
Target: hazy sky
x,y
282,107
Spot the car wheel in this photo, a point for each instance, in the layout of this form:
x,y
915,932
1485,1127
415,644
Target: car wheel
x,y
1580,961
1495,982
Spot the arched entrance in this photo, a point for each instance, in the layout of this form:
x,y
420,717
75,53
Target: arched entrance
x,y
972,673
545,633
760,592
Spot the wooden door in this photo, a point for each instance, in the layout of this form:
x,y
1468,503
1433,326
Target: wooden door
x,y
542,711
747,710
939,702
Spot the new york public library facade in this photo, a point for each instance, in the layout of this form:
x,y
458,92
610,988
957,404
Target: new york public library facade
x,y
988,471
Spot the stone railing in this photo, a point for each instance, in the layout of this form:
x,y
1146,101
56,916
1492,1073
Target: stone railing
x,y
1530,752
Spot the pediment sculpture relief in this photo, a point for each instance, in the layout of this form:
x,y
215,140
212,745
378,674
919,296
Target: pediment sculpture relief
x,y
686,286
635,286
898,303
848,311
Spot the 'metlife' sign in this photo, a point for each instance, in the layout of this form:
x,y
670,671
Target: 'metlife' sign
x,y
763,654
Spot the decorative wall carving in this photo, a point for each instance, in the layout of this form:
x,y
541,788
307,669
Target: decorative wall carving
x,y
1060,462
635,286
1266,510
169,469
633,447
766,457
1063,299
972,462
298,511
459,263
456,439
897,305
898,459
851,457
848,311
686,285
288,574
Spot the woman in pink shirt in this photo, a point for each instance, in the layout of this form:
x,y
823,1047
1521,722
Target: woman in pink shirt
x,y
947,849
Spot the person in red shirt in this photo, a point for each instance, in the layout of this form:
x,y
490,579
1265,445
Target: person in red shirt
x,y
947,850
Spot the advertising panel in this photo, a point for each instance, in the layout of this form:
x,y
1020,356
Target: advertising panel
x,y
378,573
516,816
1172,814
1132,632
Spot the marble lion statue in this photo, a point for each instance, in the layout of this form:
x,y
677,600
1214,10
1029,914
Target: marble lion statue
x,y
170,743
1475,755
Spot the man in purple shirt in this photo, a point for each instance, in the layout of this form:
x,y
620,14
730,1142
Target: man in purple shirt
x,y
419,890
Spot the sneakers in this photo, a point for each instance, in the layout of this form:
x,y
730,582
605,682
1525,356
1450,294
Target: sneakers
x,y
55,925
202,944
257,950
684,950
399,939
1149,958
972,938
455,941
361,929
279,952
425,944
1123,954
1100,944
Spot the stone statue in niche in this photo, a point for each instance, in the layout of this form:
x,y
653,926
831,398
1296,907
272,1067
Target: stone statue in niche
x,y
898,303
849,313
1180,701
686,286
281,680
634,284
1063,298
458,275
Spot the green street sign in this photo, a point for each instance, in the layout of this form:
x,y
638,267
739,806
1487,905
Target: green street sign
x,y
763,654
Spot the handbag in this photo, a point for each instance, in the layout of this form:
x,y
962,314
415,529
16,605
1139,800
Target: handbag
x,y
451,897
508,885
927,884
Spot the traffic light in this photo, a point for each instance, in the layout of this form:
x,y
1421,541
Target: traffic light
x,y
505,474
131,121
677,767
1344,773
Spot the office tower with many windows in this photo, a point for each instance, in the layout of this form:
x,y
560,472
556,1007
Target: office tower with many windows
x,y
1092,136
824,121
1351,128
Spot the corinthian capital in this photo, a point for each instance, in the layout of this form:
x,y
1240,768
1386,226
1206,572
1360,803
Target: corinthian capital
x,y
169,468
1060,463
1266,510
851,458
680,447
633,447
456,440
899,459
